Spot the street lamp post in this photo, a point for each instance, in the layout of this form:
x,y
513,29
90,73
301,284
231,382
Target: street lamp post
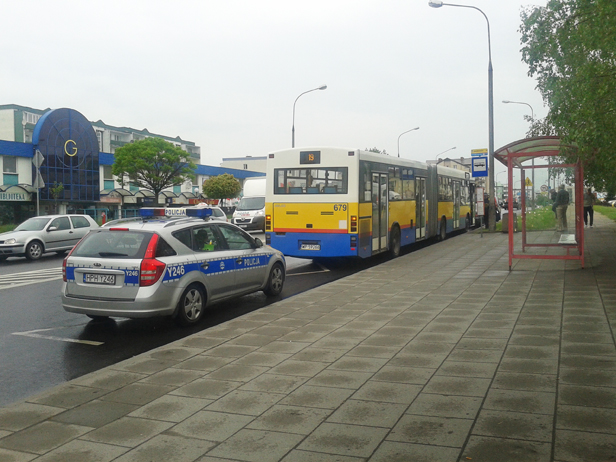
x,y
532,118
446,150
412,129
491,209
322,87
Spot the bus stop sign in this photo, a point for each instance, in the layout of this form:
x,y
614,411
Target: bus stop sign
x,y
480,167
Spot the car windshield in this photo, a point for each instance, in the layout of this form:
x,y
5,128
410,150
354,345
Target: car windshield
x,y
251,203
113,244
33,224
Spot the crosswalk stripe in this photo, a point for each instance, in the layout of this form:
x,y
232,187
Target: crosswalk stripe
x,y
29,277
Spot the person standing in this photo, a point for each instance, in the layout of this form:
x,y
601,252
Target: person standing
x,y
589,200
562,202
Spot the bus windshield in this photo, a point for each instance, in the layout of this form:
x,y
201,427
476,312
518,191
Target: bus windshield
x,y
325,180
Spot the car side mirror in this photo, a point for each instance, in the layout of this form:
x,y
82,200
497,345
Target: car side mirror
x,y
51,228
258,242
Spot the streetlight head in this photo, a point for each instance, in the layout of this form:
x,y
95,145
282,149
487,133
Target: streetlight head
x,y
435,3
506,101
323,87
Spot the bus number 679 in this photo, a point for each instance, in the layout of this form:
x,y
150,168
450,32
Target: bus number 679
x,y
340,207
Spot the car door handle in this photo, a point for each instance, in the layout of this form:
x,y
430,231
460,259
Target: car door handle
x,y
205,265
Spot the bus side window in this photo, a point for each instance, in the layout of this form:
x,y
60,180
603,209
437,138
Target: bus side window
x,y
295,190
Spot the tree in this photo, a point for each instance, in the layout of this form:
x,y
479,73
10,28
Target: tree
x,y
570,47
222,186
153,164
56,191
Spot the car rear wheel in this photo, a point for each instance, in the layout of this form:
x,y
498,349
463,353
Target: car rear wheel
x,y
34,250
275,281
191,306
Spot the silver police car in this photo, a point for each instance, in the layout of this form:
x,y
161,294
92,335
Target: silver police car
x,y
166,266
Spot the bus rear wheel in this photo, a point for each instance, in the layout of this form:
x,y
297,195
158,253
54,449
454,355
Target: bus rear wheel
x,y
442,235
394,242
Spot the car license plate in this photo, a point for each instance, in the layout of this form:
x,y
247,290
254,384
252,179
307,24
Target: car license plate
x,y
310,247
108,279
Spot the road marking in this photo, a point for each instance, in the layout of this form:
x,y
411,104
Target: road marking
x,y
35,334
8,281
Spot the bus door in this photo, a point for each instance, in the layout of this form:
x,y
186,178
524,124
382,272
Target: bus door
x,y
420,201
380,201
456,204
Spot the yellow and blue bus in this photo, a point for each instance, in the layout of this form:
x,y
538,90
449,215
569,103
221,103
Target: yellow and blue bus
x,y
336,202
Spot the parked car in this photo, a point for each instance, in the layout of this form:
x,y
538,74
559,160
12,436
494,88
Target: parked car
x,y
158,265
218,214
49,233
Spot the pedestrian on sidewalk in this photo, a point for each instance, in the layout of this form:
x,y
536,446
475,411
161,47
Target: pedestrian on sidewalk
x,y
562,202
589,200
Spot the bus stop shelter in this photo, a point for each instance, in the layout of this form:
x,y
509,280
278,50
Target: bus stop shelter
x,y
540,153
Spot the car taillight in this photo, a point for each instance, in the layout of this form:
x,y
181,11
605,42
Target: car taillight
x,y
66,258
151,269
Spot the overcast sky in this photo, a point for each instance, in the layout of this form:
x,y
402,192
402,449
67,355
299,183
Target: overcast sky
x,y
225,73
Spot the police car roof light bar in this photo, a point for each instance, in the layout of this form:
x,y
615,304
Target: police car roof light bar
x,y
152,212
199,212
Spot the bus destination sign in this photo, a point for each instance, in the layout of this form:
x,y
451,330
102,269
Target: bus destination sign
x,y
310,157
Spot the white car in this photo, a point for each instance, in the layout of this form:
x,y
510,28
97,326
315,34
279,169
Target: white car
x,y
49,233
218,214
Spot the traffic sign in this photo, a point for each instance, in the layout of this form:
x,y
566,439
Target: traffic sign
x,y
528,182
38,159
38,182
543,188
479,152
480,167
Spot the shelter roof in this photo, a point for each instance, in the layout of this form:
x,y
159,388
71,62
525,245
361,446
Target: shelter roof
x,y
528,148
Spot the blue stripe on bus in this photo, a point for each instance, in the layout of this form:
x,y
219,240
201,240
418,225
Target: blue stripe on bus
x,y
332,245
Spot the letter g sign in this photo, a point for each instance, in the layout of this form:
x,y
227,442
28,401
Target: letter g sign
x,y
72,146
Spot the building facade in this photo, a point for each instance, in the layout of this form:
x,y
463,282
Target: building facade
x,y
255,164
56,161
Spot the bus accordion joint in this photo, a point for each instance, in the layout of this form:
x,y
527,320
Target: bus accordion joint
x,y
353,224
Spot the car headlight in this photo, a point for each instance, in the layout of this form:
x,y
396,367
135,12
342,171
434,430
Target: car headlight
x,y
259,213
11,241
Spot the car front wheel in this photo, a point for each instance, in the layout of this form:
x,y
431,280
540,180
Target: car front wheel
x,y
34,250
191,306
275,281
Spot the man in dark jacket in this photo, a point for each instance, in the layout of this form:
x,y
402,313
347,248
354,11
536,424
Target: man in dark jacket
x,y
562,202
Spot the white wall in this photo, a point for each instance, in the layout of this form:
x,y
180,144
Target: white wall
x,y
7,125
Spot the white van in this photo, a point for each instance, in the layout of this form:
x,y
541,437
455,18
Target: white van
x,y
250,212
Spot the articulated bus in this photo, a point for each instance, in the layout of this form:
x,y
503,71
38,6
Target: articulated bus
x,y
337,202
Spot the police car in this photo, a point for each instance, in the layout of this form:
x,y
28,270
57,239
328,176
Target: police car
x,y
157,265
